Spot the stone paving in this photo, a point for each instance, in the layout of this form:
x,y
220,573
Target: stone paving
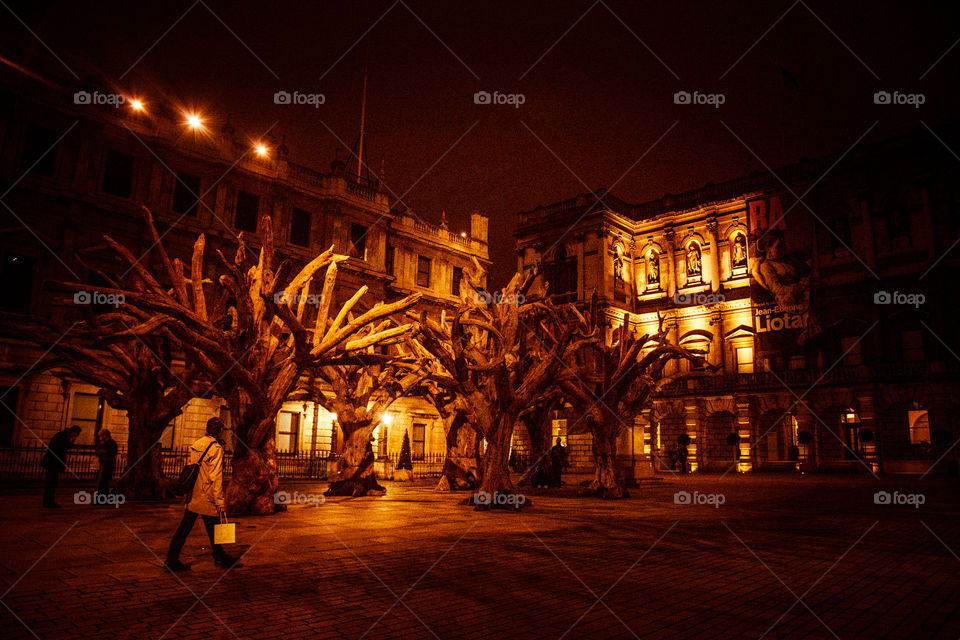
x,y
781,557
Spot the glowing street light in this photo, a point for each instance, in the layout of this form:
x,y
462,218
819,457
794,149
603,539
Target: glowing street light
x,y
261,150
194,121
137,105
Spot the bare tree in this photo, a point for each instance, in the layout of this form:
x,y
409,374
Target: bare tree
x,y
609,384
498,357
255,340
137,375
362,387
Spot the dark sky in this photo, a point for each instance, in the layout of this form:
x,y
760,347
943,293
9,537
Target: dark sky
x,y
595,103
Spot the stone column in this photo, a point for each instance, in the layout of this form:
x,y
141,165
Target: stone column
x,y
634,289
745,430
670,236
712,228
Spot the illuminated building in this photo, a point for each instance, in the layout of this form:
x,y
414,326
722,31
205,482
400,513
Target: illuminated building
x,y
820,364
82,170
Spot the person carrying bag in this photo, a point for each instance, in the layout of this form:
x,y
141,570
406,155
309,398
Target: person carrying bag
x,y
202,481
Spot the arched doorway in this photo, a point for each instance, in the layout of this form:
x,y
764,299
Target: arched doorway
x,y
777,439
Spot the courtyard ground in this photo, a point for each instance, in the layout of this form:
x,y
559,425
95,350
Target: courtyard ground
x,y
697,557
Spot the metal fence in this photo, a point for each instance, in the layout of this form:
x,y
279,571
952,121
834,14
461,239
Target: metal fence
x,y
430,465
23,463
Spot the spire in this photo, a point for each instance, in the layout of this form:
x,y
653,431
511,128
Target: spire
x,y
363,117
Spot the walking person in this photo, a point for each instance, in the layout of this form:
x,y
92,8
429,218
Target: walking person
x,y
107,455
54,461
206,500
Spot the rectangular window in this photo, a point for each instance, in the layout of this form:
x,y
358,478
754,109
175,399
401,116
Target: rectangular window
x,y
558,429
388,262
117,174
39,151
87,414
912,342
300,223
423,272
800,362
850,347
744,359
455,283
248,207
288,431
919,427
358,241
418,443
8,419
186,191
16,283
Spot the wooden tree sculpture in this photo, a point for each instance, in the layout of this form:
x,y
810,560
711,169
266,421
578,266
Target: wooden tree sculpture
x,y
136,375
363,387
499,357
610,384
255,340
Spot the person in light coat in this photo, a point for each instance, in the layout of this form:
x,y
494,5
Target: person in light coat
x,y
206,500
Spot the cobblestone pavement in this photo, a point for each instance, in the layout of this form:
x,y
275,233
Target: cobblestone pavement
x,y
790,557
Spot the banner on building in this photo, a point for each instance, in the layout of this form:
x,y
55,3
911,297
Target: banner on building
x,y
780,273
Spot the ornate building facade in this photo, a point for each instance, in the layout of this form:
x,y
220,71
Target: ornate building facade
x,y
821,292
75,170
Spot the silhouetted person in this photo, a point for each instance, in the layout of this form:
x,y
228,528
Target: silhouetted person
x,y
54,461
107,454
206,500
558,460
682,458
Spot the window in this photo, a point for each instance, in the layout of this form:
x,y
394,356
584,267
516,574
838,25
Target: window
x,y
558,429
358,241
423,271
117,174
248,206
388,261
562,273
455,283
300,223
919,422
850,347
744,359
419,440
8,418
800,362
16,283
288,431
87,414
39,151
186,191
912,342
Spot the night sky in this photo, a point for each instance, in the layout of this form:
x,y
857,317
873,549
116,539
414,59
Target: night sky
x,y
595,102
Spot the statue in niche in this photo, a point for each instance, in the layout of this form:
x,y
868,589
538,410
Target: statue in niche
x,y
694,264
739,255
653,270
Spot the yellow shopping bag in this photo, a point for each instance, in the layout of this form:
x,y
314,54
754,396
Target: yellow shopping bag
x,y
225,532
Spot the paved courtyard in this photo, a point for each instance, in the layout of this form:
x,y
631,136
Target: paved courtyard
x,y
781,557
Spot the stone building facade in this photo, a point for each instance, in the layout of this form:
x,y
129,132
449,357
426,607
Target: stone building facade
x,y
821,291
74,171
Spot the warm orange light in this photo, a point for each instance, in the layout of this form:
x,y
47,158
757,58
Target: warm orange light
x,y
261,150
463,234
137,105
194,121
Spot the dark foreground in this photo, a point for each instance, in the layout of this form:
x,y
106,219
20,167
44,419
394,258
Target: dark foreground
x,y
782,557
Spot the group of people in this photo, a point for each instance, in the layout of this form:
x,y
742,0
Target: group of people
x,y
549,471
54,462
206,500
